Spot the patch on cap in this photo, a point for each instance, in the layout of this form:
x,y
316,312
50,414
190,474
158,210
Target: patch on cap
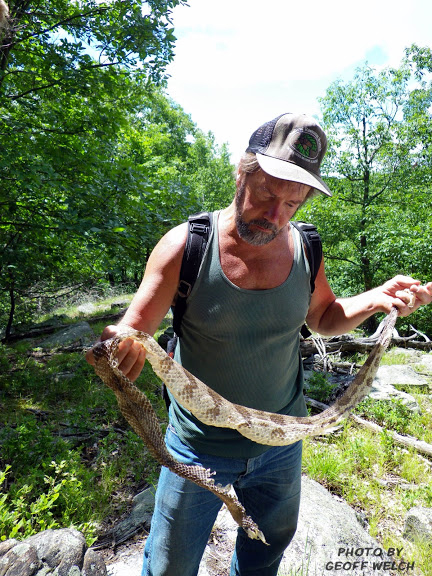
x,y
305,143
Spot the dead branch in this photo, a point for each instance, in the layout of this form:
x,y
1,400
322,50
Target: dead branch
x,y
410,441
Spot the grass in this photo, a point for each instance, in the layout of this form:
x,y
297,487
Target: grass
x,y
376,476
68,457
101,306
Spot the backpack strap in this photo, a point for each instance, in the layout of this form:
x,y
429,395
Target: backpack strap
x,y
313,244
200,226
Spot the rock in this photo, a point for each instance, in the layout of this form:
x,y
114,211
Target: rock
x,y
381,391
80,333
425,362
58,552
405,355
140,516
93,564
400,375
418,524
20,560
61,549
120,304
327,525
87,308
127,563
7,545
387,376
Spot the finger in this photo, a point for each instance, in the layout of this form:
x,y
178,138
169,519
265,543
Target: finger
x,y
126,347
108,332
136,369
423,294
131,364
90,357
403,282
407,297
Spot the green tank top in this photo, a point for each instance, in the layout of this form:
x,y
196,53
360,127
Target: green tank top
x,y
244,344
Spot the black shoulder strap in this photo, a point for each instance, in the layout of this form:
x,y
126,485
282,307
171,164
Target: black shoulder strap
x,y
200,226
312,241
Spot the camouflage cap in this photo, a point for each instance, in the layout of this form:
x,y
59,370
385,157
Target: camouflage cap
x,y
291,147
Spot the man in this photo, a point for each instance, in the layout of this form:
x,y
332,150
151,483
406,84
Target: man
x,y
241,337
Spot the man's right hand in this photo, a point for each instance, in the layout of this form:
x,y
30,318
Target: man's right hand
x,y
130,353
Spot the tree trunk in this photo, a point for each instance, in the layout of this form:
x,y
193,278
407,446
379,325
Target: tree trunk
x,y
370,324
11,312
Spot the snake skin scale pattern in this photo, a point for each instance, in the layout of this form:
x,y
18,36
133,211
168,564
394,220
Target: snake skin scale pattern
x,y
212,409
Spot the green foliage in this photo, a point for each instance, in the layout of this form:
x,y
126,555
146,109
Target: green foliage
x,y
43,493
326,467
319,387
379,168
65,451
366,470
97,163
389,413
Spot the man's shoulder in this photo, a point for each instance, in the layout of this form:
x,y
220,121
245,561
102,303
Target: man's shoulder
x,y
168,252
175,239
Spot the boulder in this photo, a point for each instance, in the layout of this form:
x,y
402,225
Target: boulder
x,y
61,549
387,377
21,559
80,333
329,532
138,519
418,524
425,363
400,375
59,552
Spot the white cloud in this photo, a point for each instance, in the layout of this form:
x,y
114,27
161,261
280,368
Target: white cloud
x,y
239,63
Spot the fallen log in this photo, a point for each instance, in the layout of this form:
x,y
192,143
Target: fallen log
x,y
409,441
346,344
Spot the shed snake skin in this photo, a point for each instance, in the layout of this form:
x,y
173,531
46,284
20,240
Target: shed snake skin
x,y
212,409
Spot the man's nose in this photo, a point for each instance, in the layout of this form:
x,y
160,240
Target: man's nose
x,y
273,212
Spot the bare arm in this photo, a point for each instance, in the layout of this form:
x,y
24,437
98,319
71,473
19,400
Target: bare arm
x,y
152,300
330,316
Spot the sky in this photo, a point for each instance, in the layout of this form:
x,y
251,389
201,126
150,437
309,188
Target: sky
x,y
240,63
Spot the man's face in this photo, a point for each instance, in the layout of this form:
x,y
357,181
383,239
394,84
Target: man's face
x,y
265,205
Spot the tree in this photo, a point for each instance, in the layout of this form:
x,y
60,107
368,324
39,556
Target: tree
x,y
96,161
214,182
379,130
70,74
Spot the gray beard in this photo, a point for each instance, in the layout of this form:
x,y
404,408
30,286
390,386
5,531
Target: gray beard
x,y
256,238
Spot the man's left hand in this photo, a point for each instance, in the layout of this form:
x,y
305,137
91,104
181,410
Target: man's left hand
x,y
407,293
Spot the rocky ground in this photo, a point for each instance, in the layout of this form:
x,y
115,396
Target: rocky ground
x,y
329,532
326,526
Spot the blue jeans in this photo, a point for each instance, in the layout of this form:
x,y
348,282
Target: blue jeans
x,y
268,486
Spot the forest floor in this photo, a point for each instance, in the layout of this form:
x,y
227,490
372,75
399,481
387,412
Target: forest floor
x,y
64,440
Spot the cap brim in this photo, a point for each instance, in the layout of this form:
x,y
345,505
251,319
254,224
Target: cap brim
x,y
288,171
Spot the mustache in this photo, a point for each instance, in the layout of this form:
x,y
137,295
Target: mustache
x,y
264,224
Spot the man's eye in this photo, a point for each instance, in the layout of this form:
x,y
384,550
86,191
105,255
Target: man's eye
x,y
265,194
